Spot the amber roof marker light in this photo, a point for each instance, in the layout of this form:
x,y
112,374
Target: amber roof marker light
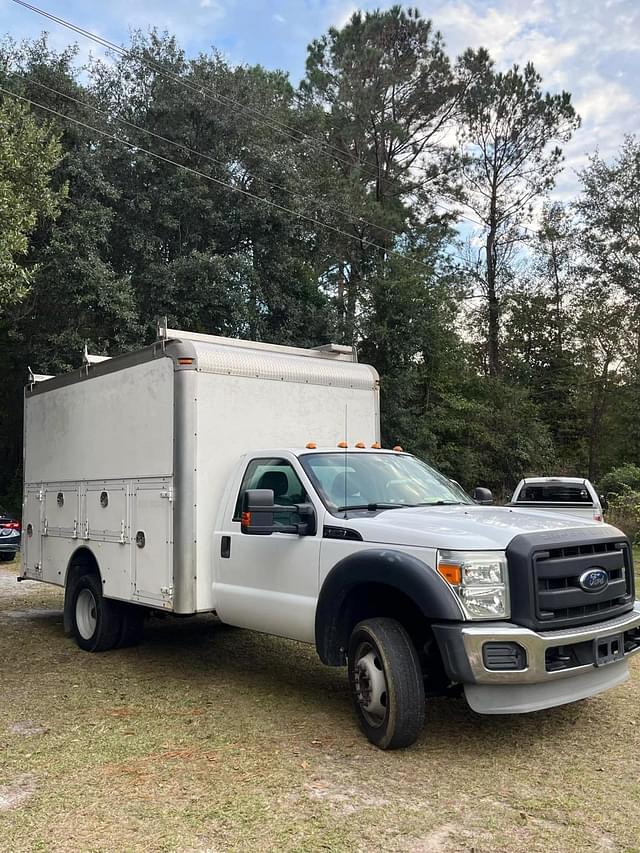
x,y
360,444
311,445
343,444
376,445
398,449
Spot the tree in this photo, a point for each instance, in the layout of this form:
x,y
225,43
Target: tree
x,y
28,153
384,94
509,143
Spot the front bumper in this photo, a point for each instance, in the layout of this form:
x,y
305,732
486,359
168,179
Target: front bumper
x,y
550,658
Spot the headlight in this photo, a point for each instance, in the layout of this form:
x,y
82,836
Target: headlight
x,y
479,580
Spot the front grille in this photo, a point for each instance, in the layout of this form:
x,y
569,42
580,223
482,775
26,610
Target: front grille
x,y
558,597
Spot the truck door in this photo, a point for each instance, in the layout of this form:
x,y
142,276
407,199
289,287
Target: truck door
x,y
268,583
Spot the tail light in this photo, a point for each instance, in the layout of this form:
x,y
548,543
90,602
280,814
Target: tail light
x,y
12,525
597,514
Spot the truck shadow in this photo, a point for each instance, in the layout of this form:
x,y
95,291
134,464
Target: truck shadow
x,y
219,665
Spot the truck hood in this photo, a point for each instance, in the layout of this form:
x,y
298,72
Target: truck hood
x,y
458,527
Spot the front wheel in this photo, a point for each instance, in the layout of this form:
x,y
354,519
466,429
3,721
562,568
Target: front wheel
x,y
386,683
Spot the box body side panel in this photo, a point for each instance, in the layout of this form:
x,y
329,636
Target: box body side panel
x,y
241,414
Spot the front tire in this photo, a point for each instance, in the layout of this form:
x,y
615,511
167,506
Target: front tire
x,y
96,621
386,683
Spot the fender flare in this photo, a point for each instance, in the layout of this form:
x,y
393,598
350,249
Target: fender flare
x,y
396,569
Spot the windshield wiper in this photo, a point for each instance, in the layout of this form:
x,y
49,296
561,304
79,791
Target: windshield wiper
x,y
440,503
372,507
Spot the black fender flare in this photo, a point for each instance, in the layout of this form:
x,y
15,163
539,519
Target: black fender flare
x,y
397,569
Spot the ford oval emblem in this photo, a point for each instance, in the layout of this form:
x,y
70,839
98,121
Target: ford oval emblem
x,y
593,580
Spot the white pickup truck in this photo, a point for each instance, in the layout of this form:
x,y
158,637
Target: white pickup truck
x,y
204,474
573,496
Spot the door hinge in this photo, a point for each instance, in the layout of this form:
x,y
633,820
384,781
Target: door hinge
x,y
85,532
41,495
167,493
74,535
45,527
123,533
167,592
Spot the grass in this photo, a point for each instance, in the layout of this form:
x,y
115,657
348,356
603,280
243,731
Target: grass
x,y
211,739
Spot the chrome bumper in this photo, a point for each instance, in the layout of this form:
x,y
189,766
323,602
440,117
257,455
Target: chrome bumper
x,y
461,649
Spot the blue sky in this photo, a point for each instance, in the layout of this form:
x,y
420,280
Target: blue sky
x,y
590,47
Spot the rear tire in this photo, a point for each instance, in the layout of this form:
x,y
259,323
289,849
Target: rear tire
x,y
386,683
132,628
7,557
96,621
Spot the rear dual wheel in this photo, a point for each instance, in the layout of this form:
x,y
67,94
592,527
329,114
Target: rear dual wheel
x,y
99,623
386,683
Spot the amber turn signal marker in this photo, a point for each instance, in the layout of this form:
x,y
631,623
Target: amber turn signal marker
x,y
311,445
360,444
246,519
398,448
185,361
450,572
342,444
376,445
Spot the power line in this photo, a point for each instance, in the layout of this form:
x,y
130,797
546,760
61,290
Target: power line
x,y
274,124
195,153
200,174
207,91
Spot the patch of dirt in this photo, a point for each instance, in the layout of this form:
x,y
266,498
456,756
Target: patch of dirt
x,y
13,795
347,799
26,728
32,614
435,842
10,588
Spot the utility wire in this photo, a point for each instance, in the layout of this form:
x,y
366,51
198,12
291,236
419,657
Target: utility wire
x,y
200,174
207,91
348,216
280,127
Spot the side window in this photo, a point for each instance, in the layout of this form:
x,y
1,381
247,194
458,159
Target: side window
x,y
279,476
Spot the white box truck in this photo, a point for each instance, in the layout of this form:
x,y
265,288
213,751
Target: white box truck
x,y
204,474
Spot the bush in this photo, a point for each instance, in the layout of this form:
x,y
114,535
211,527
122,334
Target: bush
x,y
618,480
624,512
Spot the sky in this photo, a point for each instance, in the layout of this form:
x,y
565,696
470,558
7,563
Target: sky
x,y
591,48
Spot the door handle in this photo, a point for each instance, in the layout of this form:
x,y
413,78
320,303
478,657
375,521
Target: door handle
x,y
225,547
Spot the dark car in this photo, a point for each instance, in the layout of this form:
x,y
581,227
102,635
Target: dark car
x,y
9,536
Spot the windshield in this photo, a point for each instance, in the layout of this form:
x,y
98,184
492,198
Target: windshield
x,y
349,480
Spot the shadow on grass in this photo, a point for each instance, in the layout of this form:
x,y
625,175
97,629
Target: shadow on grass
x,y
218,664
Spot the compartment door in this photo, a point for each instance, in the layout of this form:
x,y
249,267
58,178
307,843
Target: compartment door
x,y
152,543
32,521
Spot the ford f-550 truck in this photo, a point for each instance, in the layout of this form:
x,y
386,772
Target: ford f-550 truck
x,y
205,474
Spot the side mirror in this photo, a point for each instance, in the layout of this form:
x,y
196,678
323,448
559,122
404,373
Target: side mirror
x,y
257,512
604,503
258,509
482,495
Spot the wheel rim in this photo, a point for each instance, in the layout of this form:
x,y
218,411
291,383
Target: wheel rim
x,y
370,684
86,614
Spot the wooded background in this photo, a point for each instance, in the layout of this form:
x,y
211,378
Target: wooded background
x,y
398,199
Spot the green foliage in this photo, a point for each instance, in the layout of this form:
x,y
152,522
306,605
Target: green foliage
x,y
624,512
99,239
619,480
28,154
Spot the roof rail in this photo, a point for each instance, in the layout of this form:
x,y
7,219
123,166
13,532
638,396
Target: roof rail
x,y
88,359
38,377
332,352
